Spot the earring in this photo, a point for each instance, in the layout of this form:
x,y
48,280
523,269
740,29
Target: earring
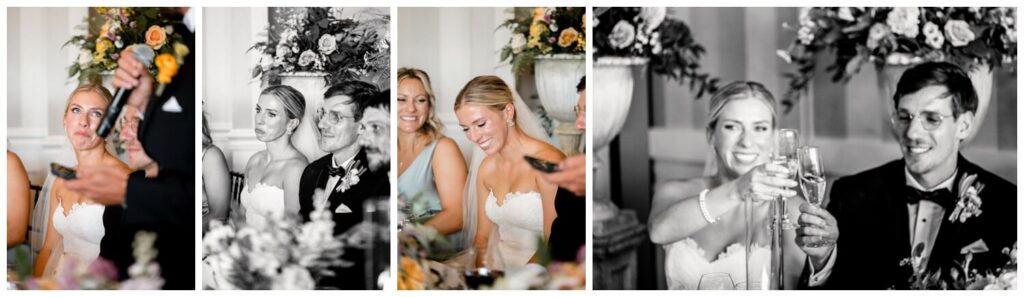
x,y
510,123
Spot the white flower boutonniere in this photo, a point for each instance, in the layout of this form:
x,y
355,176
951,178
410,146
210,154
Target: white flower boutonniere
x,y
351,177
968,202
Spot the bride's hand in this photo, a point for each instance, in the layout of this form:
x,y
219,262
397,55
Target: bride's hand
x,y
764,183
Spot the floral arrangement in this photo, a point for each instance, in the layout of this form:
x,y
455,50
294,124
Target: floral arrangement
x,y
898,36
120,29
325,40
101,274
278,254
648,33
962,277
547,31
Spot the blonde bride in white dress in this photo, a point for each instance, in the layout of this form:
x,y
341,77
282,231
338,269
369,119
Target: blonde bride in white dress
x,y
741,120
75,226
517,205
272,175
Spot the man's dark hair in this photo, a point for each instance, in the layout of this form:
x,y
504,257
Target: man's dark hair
x,y
582,85
958,85
381,100
359,91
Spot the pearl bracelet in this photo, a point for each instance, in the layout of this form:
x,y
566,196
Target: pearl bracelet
x,y
704,207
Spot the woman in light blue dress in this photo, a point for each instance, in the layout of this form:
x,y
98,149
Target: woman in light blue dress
x,y
425,153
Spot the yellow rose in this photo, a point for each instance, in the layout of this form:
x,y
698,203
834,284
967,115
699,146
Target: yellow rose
x,y
156,37
180,50
538,14
567,37
411,276
166,67
103,44
537,29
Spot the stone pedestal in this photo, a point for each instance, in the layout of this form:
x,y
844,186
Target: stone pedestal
x,y
615,251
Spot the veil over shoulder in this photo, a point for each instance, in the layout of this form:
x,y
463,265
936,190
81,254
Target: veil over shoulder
x,y
529,123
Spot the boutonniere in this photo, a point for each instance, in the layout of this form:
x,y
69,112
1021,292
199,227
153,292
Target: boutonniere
x,y
968,204
351,177
167,65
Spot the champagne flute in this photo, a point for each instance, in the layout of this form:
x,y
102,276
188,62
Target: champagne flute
x,y
716,281
812,175
784,153
812,181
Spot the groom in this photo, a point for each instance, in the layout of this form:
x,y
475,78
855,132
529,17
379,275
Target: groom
x,y
343,175
931,211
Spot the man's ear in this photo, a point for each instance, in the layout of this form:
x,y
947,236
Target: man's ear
x,y
964,125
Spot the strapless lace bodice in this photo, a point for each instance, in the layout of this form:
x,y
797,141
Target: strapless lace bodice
x,y
262,202
686,262
520,223
81,230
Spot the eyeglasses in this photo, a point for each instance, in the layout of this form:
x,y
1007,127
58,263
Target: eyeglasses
x,y
578,109
130,123
931,120
332,117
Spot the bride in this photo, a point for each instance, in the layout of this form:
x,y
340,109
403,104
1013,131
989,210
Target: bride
x,y
741,118
517,205
75,227
271,188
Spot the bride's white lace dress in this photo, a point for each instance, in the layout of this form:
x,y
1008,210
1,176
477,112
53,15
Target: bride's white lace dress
x,y
262,202
686,262
81,230
520,225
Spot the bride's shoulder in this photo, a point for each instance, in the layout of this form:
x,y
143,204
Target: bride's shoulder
x,y
546,151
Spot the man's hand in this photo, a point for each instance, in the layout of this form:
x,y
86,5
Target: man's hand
x,y
571,175
817,234
132,75
104,184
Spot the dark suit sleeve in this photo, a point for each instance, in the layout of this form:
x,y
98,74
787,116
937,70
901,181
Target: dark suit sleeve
x,y
306,187
163,201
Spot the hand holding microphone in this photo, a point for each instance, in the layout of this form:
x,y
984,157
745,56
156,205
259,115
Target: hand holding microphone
x,y
133,82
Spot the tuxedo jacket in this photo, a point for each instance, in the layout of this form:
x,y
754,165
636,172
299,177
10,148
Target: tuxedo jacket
x,y
874,233
165,204
371,184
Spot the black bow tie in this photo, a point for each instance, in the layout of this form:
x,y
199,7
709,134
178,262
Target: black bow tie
x,y
942,197
335,171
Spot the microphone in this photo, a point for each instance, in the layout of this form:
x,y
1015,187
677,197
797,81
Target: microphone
x,y
142,53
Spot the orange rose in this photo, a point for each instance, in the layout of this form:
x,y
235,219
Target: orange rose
x,y
156,37
167,67
567,37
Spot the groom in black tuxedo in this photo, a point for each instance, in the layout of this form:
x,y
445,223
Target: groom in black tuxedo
x,y
922,213
344,176
165,203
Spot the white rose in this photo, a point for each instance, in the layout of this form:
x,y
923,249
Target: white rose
x,y
306,58
652,17
84,58
283,50
959,33
876,34
904,21
623,35
327,44
266,62
518,43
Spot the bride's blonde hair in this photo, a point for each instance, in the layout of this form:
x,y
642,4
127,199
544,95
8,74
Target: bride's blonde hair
x,y
487,90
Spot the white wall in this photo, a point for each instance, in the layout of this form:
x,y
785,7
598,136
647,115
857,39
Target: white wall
x,y
453,45
38,84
